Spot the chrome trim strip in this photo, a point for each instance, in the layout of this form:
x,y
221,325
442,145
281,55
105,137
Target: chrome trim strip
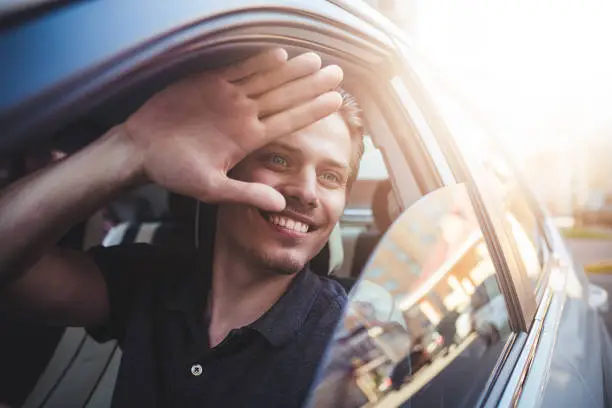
x,y
503,358
537,328
502,372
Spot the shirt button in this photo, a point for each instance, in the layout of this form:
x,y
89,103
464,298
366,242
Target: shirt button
x,y
196,370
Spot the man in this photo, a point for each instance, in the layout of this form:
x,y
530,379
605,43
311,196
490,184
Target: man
x,y
241,323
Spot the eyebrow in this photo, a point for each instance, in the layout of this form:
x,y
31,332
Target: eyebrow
x,y
296,150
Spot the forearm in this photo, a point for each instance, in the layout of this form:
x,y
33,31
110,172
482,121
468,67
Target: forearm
x,y
37,210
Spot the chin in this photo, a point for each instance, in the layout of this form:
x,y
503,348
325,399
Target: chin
x,y
284,265
281,263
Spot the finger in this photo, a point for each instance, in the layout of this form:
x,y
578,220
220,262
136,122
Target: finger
x,y
289,121
298,67
263,61
299,91
259,195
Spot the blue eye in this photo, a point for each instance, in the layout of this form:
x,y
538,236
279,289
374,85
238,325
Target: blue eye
x,y
278,160
330,177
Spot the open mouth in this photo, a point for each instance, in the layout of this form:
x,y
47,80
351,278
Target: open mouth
x,y
288,223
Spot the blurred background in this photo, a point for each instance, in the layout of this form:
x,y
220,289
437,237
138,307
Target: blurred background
x,y
538,75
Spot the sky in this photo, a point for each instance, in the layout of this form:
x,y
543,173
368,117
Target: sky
x,y
539,72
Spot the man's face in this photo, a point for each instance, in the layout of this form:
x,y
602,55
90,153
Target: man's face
x,y
310,168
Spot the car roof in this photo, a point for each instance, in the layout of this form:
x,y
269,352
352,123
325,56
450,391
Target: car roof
x,y
46,48
71,39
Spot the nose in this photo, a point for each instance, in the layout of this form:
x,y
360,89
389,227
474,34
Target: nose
x,y
301,188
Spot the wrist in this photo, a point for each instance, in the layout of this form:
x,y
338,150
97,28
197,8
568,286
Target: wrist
x,y
125,157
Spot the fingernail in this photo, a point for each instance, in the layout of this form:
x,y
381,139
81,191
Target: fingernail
x,y
337,69
281,53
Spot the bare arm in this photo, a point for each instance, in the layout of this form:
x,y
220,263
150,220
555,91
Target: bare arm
x,y
36,278
185,138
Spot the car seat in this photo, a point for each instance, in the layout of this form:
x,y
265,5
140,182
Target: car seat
x,y
367,240
26,348
81,371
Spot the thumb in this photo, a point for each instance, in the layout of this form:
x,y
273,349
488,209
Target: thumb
x,y
259,195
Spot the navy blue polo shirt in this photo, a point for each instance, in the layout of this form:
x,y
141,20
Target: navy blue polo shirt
x,y
157,301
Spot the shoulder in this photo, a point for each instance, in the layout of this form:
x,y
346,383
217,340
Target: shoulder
x,y
329,304
332,292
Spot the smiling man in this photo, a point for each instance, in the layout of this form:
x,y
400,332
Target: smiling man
x,y
243,321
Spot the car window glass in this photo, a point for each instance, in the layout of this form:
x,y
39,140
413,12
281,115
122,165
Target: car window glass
x,y
426,322
494,173
370,208
372,165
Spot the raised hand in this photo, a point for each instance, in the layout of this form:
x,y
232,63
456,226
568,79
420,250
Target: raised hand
x,y
189,135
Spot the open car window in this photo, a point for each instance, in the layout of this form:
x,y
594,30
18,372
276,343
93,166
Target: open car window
x,y
370,209
426,322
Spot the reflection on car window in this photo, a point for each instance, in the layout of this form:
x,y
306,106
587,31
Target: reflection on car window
x,y
520,217
427,321
484,155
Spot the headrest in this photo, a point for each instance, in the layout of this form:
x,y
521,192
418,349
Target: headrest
x,y
331,256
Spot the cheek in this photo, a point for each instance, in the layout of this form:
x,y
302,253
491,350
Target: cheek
x,y
333,204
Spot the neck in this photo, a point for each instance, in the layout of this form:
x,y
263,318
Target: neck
x,y
241,291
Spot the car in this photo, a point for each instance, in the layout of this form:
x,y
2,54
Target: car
x,y
596,211
407,367
71,70
489,316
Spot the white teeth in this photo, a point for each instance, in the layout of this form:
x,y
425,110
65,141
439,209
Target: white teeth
x,y
289,223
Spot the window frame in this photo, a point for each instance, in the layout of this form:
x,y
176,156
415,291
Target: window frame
x,y
540,217
103,82
521,305
90,88
516,287
531,200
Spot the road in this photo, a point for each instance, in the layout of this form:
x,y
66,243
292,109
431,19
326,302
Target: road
x,y
586,251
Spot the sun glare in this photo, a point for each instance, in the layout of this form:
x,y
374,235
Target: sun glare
x,y
539,72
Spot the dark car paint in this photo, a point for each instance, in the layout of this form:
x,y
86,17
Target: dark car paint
x,y
80,48
61,57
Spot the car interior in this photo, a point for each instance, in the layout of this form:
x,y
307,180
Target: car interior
x,y
68,368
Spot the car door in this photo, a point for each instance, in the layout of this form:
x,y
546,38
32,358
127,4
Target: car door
x,y
419,278
429,264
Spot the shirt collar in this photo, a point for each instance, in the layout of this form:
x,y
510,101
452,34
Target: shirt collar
x,y
188,293
287,316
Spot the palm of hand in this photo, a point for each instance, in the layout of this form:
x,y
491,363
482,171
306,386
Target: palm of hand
x,y
193,132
